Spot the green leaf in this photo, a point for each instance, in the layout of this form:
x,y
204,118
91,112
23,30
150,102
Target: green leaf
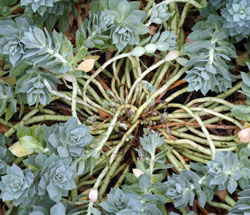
x,y
241,112
63,23
157,178
95,211
58,209
26,146
123,9
8,80
138,51
182,61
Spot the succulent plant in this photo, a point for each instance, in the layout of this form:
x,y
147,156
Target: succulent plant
x,y
165,41
94,32
5,9
7,99
52,52
246,82
183,188
57,176
39,210
105,20
50,11
36,6
117,201
123,36
31,86
128,23
204,181
212,7
210,54
159,14
122,21
57,209
69,139
17,185
225,171
236,17
242,206
5,154
11,32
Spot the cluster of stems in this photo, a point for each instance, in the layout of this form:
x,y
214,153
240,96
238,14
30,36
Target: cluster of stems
x,y
187,128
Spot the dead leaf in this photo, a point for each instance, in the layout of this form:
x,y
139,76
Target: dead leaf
x,y
85,197
8,80
244,135
3,128
222,194
104,85
152,30
241,59
71,19
137,172
103,114
246,125
88,63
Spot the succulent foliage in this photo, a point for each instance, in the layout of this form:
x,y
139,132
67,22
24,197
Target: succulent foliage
x,y
5,7
17,185
54,51
32,89
122,21
5,155
51,11
69,139
242,206
12,32
226,171
7,101
236,19
210,54
183,188
57,176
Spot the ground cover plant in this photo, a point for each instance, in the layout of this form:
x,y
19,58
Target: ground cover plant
x,y
120,107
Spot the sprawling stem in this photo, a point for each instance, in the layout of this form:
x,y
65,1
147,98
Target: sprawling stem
x,y
74,98
105,170
158,92
124,55
204,129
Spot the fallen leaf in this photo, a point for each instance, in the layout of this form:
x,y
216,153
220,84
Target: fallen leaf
x,y
244,135
8,80
222,194
85,195
246,125
241,60
103,114
152,30
137,172
3,128
87,65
